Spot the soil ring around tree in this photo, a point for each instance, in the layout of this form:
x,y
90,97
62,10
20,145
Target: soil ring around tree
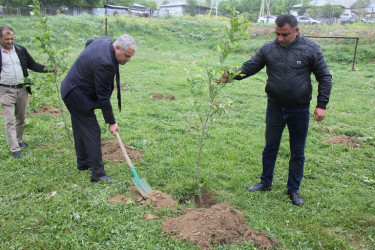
x,y
349,141
162,96
111,151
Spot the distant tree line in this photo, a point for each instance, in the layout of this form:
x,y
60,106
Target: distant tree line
x,y
250,7
75,3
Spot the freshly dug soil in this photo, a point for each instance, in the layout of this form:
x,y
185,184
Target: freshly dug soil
x,y
112,151
159,199
220,224
352,142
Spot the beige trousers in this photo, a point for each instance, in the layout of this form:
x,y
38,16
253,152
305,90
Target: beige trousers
x,y
13,103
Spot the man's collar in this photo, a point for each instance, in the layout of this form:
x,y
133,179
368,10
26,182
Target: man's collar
x,y
2,49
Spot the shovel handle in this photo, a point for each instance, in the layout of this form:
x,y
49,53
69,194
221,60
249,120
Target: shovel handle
x,y
124,150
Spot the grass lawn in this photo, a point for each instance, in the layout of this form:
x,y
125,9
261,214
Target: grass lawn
x,y
45,203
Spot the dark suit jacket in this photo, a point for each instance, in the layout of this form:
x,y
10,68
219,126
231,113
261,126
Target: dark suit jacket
x,y
92,77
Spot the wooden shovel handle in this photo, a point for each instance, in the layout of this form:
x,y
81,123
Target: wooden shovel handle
x,y
123,150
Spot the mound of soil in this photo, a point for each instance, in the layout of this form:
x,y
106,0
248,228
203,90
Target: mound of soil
x,y
161,96
112,151
159,199
352,142
220,224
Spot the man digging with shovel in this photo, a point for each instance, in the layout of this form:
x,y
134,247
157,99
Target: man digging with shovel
x,y
88,86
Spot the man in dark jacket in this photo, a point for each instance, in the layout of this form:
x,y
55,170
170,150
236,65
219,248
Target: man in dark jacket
x,y
290,59
14,62
88,86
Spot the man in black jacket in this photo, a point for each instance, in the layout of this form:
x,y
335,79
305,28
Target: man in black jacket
x,y
88,86
14,62
290,59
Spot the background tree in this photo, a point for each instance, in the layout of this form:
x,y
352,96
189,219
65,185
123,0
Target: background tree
x,y
250,7
282,6
360,4
191,7
15,3
304,8
327,11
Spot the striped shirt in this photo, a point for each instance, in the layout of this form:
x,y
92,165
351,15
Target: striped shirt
x,y
11,69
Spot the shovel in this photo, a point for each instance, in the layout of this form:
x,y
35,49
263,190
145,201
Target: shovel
x,y
141,184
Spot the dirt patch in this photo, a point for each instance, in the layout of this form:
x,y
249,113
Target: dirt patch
x,y
352,142
259,32
159,199
112,151
162,96
118,198
151,217
207,200
49,110
220,224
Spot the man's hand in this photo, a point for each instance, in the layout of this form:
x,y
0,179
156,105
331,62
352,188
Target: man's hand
x,y
113,128
319,114
224,78
54,70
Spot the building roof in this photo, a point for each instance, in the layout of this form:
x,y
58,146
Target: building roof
x,y
174,4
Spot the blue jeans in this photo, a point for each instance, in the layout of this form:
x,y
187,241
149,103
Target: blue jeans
x,y
297,121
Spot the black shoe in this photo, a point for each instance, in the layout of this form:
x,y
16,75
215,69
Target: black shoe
x,y
259,187
16,154
295,197
82,168
22,145
104,178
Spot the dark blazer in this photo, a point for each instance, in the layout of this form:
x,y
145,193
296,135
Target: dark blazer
x,y
92,78
27,62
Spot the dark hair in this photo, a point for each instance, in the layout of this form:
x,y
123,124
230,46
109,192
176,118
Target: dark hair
x,y
286,19
6,28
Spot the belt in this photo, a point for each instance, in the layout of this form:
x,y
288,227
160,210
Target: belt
x,y
18,86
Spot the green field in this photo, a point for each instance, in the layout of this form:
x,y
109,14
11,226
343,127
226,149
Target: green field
x,y
339,181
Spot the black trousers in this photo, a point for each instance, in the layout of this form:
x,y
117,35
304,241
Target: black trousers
x,y
87,135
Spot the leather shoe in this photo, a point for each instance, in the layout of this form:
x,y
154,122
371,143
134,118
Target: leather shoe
x,y
82,168
295,197
22,145
105,178
16,154
259,187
